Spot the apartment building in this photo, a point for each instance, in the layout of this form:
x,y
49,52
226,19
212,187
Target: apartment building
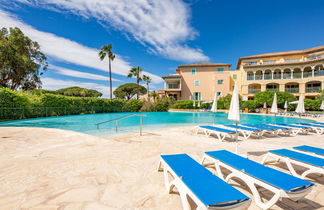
x,y
198,81
297,72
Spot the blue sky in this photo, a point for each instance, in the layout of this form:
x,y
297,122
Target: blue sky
x,y
158,35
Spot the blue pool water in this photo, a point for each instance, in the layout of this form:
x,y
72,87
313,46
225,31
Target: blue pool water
x,y
153,120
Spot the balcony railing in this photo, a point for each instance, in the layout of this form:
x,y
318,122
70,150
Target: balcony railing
x,y
273,89
267,76
173,86
250,77
319,73
312,89
258,77
253,90
292,90
297,75
287,76
307,74
277,76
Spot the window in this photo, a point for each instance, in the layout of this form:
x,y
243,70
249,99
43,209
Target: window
x,y
193,71
196,96
219,93
220,81
220,69
197,83
234,76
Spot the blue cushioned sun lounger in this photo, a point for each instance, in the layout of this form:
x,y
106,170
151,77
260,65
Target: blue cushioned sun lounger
x,y
275,127
292,125
291,158
253,173
319,129
221,133
318,123
218,129
204,188
260,126
315,150
244,128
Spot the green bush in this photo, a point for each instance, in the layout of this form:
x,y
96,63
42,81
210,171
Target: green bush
x,y
163,104
312,105
267,97
183,104
251,105
133,105
13,99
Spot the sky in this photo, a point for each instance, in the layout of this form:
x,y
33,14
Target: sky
x,y
157,35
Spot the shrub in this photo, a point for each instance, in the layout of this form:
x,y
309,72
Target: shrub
x,y
133,105
183,104
163,104
251,105
267,97
13,99
312,105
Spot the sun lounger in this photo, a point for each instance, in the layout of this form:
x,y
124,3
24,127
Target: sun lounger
x,y
282,185
266,129
291,158
315,151
246,131
193,180
281,129
221,133
319,129
300,128
318,123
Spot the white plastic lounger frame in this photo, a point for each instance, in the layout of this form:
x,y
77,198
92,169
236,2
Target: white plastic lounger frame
x,y
184,191
220,135
247,133
293,130
311,169
317,130
252,183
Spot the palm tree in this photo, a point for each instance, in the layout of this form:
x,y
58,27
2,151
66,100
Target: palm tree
x,y
136,72
105,51
147,80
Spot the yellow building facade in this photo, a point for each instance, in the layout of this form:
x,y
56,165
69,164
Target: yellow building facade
x,y
296,72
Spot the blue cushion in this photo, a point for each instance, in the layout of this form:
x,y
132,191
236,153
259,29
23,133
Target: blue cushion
x,y
210,189
261,127
218,129
294,126
276,127
300,157
243,128
314,125
315,150
269,175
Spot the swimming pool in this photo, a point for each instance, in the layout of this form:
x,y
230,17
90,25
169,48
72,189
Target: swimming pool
x,y
154,120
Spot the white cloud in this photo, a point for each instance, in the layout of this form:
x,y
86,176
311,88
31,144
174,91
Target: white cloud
x,y
63,49
54,84
161,25
79,74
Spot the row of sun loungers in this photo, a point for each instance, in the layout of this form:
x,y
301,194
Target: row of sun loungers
x,y
208,191
313,115
258,130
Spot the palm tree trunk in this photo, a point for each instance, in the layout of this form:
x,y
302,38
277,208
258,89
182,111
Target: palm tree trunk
x,y
110,81
137,82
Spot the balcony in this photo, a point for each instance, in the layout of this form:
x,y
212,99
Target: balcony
x,y
273,89
319,73
312,89
287,76
292,90
258,77
253,90
267,76
297,75
250,77
277,76
307,74
173,86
